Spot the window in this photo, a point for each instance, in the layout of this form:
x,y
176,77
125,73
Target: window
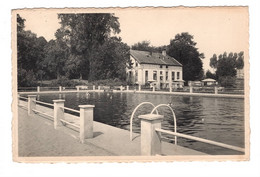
x,y
161,78
173,76
161,73
146,76
136,64
160,66
155,75
136,76
178,75
166,66
166,75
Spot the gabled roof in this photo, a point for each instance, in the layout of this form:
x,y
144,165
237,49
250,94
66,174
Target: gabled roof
x,y
145,57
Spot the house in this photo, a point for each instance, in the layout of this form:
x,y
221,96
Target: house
x,y
157,68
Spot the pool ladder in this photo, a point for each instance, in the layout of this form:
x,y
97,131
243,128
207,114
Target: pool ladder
x,y
152,112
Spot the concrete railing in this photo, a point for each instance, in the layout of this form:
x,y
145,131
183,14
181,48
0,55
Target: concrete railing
x,y
85,119
151,138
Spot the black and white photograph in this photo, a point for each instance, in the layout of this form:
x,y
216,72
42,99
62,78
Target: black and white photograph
x,y
130,84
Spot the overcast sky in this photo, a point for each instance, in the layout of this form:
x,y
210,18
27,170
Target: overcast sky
x,y
215,30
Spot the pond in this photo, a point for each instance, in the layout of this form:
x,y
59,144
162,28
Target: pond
x,y
217,119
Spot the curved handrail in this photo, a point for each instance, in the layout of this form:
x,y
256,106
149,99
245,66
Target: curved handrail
x,y
132,116
173,114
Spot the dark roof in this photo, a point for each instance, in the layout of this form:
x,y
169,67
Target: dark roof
x,y
145,57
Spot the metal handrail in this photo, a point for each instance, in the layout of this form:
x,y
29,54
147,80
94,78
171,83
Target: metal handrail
x,y
23,97
74,125
201,140
69,109
48,104
173,115
132,116
42,113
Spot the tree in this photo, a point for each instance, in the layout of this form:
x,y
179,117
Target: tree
x,y
213,62
210,75
30,53
183,49
110,60
84,33
240,61
55,59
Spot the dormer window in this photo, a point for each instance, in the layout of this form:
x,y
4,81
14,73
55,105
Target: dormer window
x,y
136,64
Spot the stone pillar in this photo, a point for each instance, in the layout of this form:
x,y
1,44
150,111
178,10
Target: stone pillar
x,y
150,139
153,88
127,87
31,103
38,88
170,88
121,88
99,87
94,87
58,112
139,87
216,90
191,90
86,122
77,88
60,88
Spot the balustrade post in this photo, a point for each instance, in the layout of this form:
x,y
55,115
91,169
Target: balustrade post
x,y
121,88
216,90
170,88
38,89
150,139
60,88
127,87
31,103
86,122
94,87
191,89
58,112
153,88
99,87
139,87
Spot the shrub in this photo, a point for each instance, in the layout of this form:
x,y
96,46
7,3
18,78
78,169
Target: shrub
x,y
227,81
26,78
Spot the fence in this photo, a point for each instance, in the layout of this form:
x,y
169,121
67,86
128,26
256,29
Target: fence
x,y
85,119
151,136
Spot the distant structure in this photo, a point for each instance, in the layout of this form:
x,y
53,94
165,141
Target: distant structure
x,y
158,69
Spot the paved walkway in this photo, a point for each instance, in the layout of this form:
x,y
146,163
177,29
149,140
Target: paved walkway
x,y
37,137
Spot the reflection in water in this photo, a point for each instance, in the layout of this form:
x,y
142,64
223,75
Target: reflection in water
x,y
218,119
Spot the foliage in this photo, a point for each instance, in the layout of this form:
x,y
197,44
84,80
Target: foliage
x,y
30,52
227,81
210,75
65,82
84,33
183,49
146,46
108,82
110,60
227,65
26,78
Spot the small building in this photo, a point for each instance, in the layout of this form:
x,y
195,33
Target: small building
x,y
209,82
156,68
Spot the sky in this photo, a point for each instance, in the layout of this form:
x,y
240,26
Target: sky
x,y
215,30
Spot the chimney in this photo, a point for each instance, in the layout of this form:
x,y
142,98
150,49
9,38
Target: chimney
x,y
164,52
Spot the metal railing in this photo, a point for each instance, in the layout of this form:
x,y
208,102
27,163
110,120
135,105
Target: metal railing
x,y
69,109
201,140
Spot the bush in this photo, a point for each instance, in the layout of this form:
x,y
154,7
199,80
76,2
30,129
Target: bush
x,y
108,82
26,78
227,81
65,82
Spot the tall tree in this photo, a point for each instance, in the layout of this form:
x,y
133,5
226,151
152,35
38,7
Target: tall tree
x,y
83,33
183,48
30,53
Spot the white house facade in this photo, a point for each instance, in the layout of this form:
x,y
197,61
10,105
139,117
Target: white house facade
x,y
157,68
